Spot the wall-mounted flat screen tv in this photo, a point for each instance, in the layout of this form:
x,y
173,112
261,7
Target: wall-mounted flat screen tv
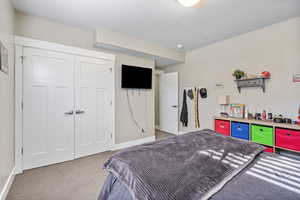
x,y
136,77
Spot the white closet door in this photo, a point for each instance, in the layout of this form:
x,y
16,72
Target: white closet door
x,y
94,89
48,96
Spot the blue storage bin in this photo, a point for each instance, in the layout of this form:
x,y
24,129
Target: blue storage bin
x,y
240,130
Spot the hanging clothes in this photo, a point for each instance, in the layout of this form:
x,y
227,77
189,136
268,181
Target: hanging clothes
x,y
197,109
190,94
194,106
184,111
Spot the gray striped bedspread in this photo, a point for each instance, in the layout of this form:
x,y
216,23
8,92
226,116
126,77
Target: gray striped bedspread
x,y
269,177
192,166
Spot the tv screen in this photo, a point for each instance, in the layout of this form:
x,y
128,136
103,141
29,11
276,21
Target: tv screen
x,y
136,77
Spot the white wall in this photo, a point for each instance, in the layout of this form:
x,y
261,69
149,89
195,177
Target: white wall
x,y
275,48
142,104
6,94
43,29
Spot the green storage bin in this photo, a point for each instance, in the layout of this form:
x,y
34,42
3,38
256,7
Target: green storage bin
x,y
262,135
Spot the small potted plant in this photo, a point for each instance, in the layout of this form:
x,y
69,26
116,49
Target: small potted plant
x,y
238,74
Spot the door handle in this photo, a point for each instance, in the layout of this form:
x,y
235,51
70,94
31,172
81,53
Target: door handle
x,y
174,106
69,113
79,112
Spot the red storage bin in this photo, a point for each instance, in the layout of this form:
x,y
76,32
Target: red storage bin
x,y
269,149
289,139
222,127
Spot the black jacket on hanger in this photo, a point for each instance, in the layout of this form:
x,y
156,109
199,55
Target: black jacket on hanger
x,y
184,111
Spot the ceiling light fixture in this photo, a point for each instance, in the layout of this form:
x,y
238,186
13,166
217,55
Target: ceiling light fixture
x,y
189,3
180,46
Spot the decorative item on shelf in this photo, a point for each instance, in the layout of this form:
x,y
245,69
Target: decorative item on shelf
x,y
237,110
246,114
287,120
296,78
224,114
264,115
265,74
278,119
252,76
250,116
270,116
257,116
238,74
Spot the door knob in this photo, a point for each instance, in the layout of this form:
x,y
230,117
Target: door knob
x,y
69,113
174,106
79,112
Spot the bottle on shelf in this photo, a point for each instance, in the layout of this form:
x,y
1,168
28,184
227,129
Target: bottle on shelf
x,y
246,114
264,115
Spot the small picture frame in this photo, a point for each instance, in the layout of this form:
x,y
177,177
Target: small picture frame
x,y
3,58
296,78
237,110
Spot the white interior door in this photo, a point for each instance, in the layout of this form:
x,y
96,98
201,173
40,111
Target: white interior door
x,y
94,119
48,99
168,102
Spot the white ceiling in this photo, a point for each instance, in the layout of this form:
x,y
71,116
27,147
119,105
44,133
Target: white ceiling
x,y
165,21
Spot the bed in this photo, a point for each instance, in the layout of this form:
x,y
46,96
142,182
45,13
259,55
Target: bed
x,y
200,165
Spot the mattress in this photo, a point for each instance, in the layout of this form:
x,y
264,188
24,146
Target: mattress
x,y
270,176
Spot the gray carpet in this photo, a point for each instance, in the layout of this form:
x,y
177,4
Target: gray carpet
x,y
79,179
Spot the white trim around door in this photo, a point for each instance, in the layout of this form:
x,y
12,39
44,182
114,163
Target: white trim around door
x,y
168,102
7,186
20,43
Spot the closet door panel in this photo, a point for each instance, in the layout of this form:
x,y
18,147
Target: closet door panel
x,y
88,118
63,133
102,98
48,94
94,83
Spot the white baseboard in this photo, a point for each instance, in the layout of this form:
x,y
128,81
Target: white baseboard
x,y
7,185
133,143
184,132
171,132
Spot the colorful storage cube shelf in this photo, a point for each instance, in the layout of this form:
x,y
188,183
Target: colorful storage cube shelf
x,y
222,127
269,149
273,136
262,135
240,130
288,139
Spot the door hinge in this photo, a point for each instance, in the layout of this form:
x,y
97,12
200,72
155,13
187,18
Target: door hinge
x,y
111,135
110,103
22,58
22,105
22,151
